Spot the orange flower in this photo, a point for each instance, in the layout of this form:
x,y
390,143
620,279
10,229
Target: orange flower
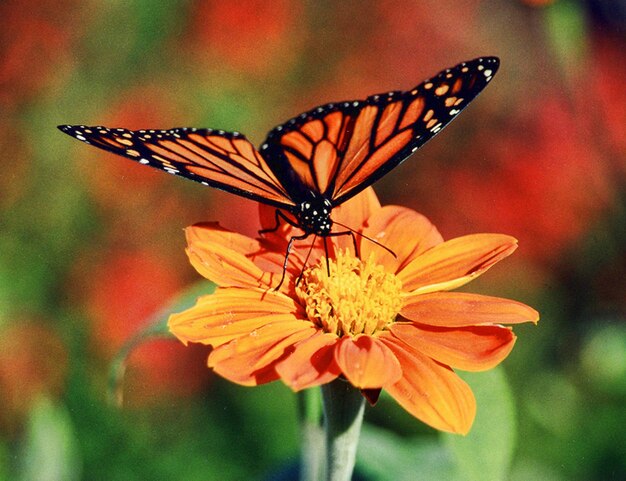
x,y
381,322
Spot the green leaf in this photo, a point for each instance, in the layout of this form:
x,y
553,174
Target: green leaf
x,y
156,327
485,453
385,456
49,451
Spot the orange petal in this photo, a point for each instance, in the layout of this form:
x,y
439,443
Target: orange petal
x,y
232,259
230,313
404,231
312,362
455,309
250,360
353,214
431,391
212,232
280,236
475,348
366,362
224,257
277,239
455,262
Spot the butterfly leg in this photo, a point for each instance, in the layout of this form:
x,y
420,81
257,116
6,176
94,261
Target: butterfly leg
x,y
351,234
326,255
306,260
278,215
286,263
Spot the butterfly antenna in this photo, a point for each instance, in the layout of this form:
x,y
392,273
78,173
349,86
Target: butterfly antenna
x,y
367,238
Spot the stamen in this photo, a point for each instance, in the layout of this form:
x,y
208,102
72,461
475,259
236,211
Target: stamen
x,y
353,297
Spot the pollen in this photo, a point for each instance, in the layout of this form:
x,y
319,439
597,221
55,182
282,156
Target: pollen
x,y
358,297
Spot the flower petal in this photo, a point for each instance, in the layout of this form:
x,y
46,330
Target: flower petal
x,y
431,391
230,313
366,362
312,362
455,309
278,237
351,216
455,262
224,257
474,348
355,212
404,231
250,360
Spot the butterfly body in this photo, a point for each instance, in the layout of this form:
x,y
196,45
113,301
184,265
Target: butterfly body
x,y
313,215
315,161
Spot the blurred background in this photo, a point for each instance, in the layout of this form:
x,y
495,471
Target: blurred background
x,y
92,247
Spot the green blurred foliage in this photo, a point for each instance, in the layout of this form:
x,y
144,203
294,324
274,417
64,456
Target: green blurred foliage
x,y
485,454
92,248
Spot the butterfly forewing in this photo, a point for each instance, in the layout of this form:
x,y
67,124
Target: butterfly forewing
x,y
220,159
341,148
333,151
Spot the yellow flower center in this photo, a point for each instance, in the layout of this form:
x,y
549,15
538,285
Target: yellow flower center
x,y
357,297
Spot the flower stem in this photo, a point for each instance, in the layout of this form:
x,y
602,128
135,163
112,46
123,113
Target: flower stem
x,y
343,410
311,434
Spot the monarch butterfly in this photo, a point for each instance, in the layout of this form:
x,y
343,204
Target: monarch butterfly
x,y
315,161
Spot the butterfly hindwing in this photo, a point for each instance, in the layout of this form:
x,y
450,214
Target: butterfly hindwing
x,y
220,159
341,148
307,151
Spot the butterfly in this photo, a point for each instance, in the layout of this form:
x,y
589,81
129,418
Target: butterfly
x,y
313,162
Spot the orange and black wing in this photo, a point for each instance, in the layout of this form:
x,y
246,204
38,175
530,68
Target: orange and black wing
x,y
339,149
224,160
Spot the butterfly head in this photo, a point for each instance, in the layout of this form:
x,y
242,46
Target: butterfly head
x,y
313,215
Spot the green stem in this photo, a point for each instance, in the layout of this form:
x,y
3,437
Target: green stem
x,y
311,434
343,410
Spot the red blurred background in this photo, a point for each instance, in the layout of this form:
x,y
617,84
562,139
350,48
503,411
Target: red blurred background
x,y
92,247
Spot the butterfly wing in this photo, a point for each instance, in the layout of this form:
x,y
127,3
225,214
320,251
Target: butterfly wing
x,y
341,148
224,160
